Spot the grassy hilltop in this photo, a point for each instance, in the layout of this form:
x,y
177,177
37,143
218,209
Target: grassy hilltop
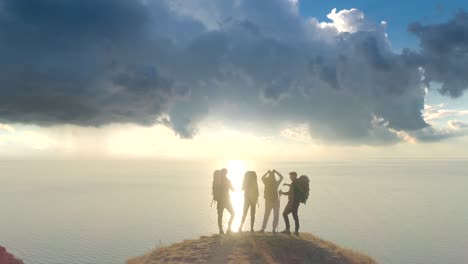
x,y
254,248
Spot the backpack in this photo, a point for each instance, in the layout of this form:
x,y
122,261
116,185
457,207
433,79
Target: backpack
x,y
302,189
217,187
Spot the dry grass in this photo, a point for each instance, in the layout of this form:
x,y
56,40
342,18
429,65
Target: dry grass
x,y
254,248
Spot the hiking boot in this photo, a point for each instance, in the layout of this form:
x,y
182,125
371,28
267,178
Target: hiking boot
x,y
296,233
228,232
221,232
286,231
261,230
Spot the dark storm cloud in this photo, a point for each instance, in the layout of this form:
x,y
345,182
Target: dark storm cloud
x,y
256,64
444,50
82,62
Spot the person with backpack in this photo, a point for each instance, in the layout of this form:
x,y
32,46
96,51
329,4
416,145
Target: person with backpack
x,y
272,201
298,192
221,187
250,188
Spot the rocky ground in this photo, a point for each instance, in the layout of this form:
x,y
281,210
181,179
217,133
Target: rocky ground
x,y
7,258
254,248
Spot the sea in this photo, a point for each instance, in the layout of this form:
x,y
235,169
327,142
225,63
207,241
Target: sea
x,y
104,212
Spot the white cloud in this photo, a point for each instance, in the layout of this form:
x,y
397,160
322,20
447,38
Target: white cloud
x,y
26,141
353,20
36,140
7,128
299,133
436,112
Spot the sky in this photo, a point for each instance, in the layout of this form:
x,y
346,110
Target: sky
x,y
267,79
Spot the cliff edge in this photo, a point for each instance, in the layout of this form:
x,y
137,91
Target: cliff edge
x,y
254,248
7,258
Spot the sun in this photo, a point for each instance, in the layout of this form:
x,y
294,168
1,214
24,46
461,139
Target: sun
x,y
236,170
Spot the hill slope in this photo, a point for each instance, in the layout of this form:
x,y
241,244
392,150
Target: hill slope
x,y
254,248
7,258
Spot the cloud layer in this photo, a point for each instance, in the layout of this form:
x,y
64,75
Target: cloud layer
x,y
444,53
256,64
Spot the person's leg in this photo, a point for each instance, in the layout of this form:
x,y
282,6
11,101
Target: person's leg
x,y
244,213
296,218
286,212
268,207
231,211
276,207
253,209
220,219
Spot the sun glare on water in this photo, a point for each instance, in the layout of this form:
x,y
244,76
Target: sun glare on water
x,y
236,170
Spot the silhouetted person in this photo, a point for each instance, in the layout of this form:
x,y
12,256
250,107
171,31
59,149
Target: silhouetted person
x,y
272,201
293,204
221,187
250,188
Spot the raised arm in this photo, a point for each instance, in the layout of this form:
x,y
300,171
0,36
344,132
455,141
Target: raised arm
x,y
280,176
286,193
264,176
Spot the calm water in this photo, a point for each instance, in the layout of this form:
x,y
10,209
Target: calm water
x,y
82,212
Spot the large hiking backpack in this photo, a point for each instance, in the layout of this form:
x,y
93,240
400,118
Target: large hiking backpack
x,y
217,187
302,189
